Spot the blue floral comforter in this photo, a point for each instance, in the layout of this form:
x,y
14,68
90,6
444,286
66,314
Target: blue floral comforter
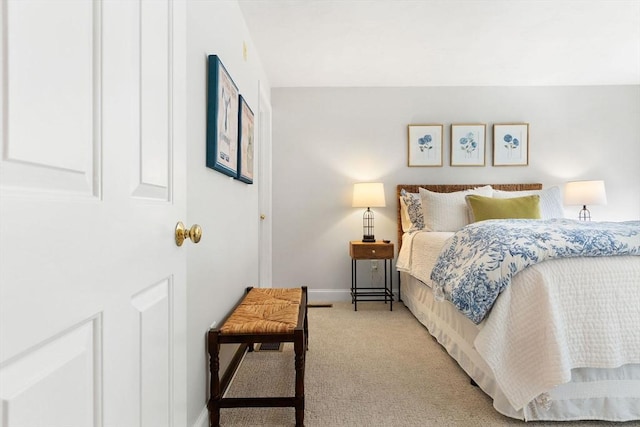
x,y
477,263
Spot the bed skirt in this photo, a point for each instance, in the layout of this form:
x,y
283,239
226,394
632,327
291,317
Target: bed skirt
x,y
592,394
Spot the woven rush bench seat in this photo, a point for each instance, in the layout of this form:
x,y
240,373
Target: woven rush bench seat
x,y
273,296
262,319
263,315
265,310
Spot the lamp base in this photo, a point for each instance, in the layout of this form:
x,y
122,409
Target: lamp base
x,y
368,238
584,214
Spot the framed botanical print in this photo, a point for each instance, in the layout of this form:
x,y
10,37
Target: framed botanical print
x,y
511,144
468,145
222,119
245,142
425,145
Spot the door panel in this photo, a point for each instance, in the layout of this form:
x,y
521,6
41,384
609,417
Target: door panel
x,y
92,284
39,373
155,97
154,352
51,138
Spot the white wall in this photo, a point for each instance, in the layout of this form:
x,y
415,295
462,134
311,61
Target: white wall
x,y
226,259
325,139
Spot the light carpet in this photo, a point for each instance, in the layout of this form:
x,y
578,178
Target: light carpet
x,y
373,367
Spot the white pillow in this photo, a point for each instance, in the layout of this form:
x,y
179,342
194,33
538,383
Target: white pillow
x,y
448,211
550,200
411,211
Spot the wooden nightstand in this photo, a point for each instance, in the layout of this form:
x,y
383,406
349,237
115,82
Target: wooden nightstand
x,y
377,250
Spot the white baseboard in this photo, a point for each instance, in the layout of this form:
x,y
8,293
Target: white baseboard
x,y
329,295
203,419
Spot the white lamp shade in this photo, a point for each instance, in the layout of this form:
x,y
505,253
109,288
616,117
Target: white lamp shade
x,y
368,195
585,193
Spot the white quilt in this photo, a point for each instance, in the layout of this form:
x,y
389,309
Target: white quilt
x,y
419,252
556,315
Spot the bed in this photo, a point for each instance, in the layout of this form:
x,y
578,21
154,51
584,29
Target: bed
x,y
560,343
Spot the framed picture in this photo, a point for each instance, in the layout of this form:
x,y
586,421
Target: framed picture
x,y
511,144
222,119
425,145
245,143
468,144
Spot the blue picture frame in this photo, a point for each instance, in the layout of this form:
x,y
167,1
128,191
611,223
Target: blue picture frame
x,y
222,119
246,142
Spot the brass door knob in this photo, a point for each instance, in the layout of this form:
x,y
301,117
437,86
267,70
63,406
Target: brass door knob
x,y
263,216
194,233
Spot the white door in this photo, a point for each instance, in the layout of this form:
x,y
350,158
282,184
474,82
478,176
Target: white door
x,y
92,178
263,132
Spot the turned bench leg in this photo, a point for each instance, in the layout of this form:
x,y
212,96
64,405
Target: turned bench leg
x,y
214,368
299,346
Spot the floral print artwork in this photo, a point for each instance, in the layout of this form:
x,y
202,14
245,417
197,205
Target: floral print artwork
x,y
425,145
467,144
511,144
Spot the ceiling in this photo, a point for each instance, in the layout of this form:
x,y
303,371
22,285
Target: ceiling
x,y
365,43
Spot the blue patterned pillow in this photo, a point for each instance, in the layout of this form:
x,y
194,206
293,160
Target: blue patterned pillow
x,y
413,205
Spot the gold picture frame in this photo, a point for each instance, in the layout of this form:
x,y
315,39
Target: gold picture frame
x,y
424,145
511,144
468,144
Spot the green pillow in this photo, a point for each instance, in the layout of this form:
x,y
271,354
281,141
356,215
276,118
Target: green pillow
x,y
482,208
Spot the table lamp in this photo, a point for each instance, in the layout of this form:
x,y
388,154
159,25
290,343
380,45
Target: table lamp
x,y
368,195
585,193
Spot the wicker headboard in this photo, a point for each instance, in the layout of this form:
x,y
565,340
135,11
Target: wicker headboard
x,y
450,188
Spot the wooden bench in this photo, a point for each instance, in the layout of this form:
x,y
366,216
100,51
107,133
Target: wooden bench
x,y
264,315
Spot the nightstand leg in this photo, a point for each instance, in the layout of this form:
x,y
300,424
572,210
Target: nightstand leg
x,y
387,290
354,285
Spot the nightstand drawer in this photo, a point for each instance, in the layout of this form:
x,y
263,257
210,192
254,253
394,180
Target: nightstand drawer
x,y
363,250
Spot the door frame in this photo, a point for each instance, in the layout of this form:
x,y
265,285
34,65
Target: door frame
x,y
265,255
